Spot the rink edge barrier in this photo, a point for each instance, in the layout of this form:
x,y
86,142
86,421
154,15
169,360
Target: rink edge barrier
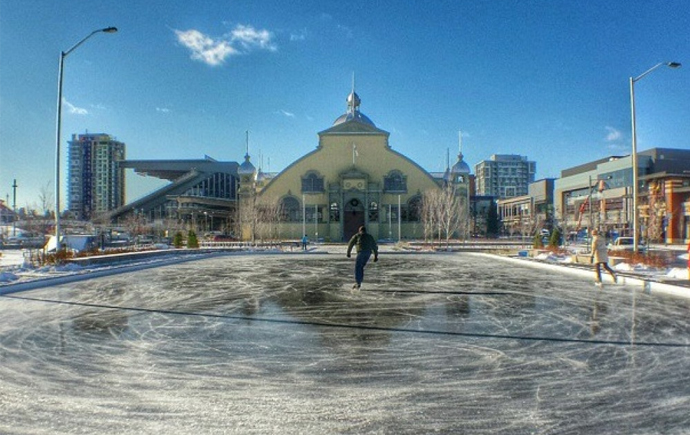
x,y
648,285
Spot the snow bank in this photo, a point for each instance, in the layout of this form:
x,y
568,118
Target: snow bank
x,y
8,277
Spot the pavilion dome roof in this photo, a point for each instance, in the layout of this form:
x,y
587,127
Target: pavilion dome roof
x,y
246,167
460,167
353,114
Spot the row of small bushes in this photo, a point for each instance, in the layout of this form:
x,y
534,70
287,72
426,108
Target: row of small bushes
x,y
63,255
192,240
554,240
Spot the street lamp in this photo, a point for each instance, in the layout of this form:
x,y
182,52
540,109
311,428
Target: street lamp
x,y
634,143
58,123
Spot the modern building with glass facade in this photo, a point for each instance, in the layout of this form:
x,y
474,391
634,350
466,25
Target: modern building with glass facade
x,y
202,193
598,194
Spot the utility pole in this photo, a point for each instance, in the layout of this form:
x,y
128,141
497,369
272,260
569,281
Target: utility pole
x,y
14,208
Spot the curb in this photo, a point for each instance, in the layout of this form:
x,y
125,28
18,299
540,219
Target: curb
x,y
66,279
648,285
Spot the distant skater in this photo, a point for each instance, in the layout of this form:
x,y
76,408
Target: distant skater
x,y
305,242
600,256
365,246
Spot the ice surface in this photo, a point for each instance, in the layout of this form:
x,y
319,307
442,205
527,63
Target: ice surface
x,y
455,343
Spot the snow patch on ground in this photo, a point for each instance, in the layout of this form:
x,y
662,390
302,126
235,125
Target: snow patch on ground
x,y
8,277
678,273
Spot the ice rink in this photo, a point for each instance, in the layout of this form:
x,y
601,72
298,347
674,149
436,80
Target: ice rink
x,y
280,344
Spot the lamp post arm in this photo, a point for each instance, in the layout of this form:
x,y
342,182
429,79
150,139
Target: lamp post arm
x,y
74,47
649,70
668,64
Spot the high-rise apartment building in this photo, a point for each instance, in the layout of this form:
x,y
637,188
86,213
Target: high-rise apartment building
x,y
96,183
504,175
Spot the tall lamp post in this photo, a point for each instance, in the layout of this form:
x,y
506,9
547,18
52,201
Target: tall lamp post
x,y
58,126
634,145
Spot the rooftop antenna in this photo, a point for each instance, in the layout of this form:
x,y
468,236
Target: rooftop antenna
x,y
247,144
459,144
353,82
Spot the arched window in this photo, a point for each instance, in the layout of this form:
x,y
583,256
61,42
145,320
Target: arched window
x,y
395,182
414,209
290,210
312,182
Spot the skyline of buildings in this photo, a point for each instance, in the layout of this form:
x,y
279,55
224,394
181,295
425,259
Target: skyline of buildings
x,y
354,177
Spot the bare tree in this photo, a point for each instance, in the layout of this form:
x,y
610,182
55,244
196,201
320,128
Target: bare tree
x,y
46,197
430,217
444,214
268,212
452,213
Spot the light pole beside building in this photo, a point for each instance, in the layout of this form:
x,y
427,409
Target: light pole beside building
x,y
634,146
58,126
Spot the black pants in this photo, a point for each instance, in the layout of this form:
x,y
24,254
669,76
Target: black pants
x,y
608,269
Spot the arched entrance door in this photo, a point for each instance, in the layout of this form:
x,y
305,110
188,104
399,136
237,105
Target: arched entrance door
x,y
353,217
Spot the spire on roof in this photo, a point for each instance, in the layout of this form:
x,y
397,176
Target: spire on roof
x,y
247,167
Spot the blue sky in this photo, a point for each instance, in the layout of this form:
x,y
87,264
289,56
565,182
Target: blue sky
x,y
547,79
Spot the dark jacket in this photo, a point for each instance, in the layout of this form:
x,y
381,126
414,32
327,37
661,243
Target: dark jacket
x,y
363,242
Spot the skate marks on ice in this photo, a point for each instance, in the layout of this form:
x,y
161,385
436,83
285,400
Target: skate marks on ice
x,y
273,344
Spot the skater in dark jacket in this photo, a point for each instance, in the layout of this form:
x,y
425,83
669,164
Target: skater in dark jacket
x,y
366,245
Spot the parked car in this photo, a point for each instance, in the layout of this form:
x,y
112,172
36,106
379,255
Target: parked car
x,y
624,244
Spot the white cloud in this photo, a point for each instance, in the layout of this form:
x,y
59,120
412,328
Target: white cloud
x,y
214,51
286,113
613,134
204,48
249,38
74,109
162,109
299,36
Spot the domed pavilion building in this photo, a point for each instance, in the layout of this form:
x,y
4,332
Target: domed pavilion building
x,y
353,177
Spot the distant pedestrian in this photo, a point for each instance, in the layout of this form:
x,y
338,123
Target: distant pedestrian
x,y
366,245
305,242
600,256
